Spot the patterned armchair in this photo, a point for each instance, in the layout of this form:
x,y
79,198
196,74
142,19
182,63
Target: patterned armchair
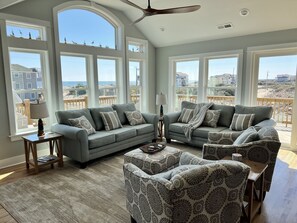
x,y
196,191
264,150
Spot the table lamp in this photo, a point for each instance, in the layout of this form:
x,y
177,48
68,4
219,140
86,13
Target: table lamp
x,y
161,100
38,111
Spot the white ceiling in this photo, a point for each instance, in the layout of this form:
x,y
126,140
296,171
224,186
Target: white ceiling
x,y
264,16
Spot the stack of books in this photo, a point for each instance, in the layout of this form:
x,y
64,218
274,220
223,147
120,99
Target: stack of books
x,y
44,159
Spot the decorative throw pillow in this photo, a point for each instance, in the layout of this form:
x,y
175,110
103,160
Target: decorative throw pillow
x,y
111,120
211,118
134,117
186,115
241,121
248,135
82,122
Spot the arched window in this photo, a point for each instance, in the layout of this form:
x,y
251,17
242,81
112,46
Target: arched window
x,y
83,27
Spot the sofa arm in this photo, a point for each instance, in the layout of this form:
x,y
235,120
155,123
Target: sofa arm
x,y
217,151
269,122
75,142
152,119
187,158
225,138
168,119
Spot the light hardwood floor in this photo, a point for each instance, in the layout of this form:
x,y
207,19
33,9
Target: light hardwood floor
x,y
279,205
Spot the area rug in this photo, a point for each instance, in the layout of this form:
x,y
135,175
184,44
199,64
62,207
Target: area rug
x,y
70,194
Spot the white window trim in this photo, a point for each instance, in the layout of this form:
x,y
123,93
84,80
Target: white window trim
x,y
203,72
20,44
253,54
91,52
143,58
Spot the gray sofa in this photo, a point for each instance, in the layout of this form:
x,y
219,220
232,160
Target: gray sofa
x,y
81,147
174,130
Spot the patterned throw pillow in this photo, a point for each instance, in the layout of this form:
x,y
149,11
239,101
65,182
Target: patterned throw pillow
x,y
248,135
82,122
111,120
241,121
211,118
134,117
186,115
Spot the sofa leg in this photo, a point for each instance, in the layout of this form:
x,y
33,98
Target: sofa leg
x,y
168,140
83,165
154,140
132,220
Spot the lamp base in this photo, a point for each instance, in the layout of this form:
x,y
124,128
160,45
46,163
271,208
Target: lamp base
x,y
161,111
40,132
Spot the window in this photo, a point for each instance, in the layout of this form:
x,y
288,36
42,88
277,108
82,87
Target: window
x,y
186,82
135,85
26,31
136,47
74,80
25,92
107,81
222,79
83,27
28,76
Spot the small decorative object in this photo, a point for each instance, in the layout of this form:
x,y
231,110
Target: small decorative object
x,y
38,111
12,33
21,33
152,148
161,100
30,37
85,43
65,41
237,157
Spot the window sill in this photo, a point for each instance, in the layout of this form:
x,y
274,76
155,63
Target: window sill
x,y
18,136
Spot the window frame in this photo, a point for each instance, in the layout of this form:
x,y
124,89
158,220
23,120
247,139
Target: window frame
x,y
203,73
26,45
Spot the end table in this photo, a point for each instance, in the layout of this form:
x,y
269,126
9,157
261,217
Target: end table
x,y
30,144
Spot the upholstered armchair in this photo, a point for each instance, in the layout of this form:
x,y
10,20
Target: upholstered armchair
x,y
196,191
263,150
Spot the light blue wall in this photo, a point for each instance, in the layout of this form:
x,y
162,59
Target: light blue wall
x,y
235,43
43,10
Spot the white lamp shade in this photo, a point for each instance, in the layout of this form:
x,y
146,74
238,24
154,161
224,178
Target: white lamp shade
x,y
38,110
161,99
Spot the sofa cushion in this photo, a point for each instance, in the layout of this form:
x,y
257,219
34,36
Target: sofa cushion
x,y
101,138
241,121
64,116
248,135
95,112
188,105
226,114
186,115
261,112
82,122
123,133
134,117
111,120
211,118
121,108
268,133
142,129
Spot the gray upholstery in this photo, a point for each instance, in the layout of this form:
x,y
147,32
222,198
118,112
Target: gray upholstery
x,y
196,191
173,128
95,112
121,108
264,150
78,146
226,114
64,116
261,112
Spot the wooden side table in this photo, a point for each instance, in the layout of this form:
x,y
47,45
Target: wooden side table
x,y
254,201
160,127
30,144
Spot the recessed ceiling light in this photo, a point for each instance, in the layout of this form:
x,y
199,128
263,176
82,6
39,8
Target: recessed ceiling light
x,y
244,12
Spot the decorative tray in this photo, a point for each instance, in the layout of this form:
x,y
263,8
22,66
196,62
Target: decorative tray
x,y
152,148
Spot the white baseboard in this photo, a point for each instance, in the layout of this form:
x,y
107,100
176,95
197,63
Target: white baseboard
x,y
20,159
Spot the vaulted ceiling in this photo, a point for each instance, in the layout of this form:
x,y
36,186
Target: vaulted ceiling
x,y
165,30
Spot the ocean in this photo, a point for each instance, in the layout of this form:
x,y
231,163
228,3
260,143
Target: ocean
x,y
84,83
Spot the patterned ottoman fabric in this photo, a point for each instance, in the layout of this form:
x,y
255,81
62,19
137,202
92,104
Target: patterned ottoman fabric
x,y
154,163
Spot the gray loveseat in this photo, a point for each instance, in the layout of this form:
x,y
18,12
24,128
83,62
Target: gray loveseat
x,y
81,147
174,130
